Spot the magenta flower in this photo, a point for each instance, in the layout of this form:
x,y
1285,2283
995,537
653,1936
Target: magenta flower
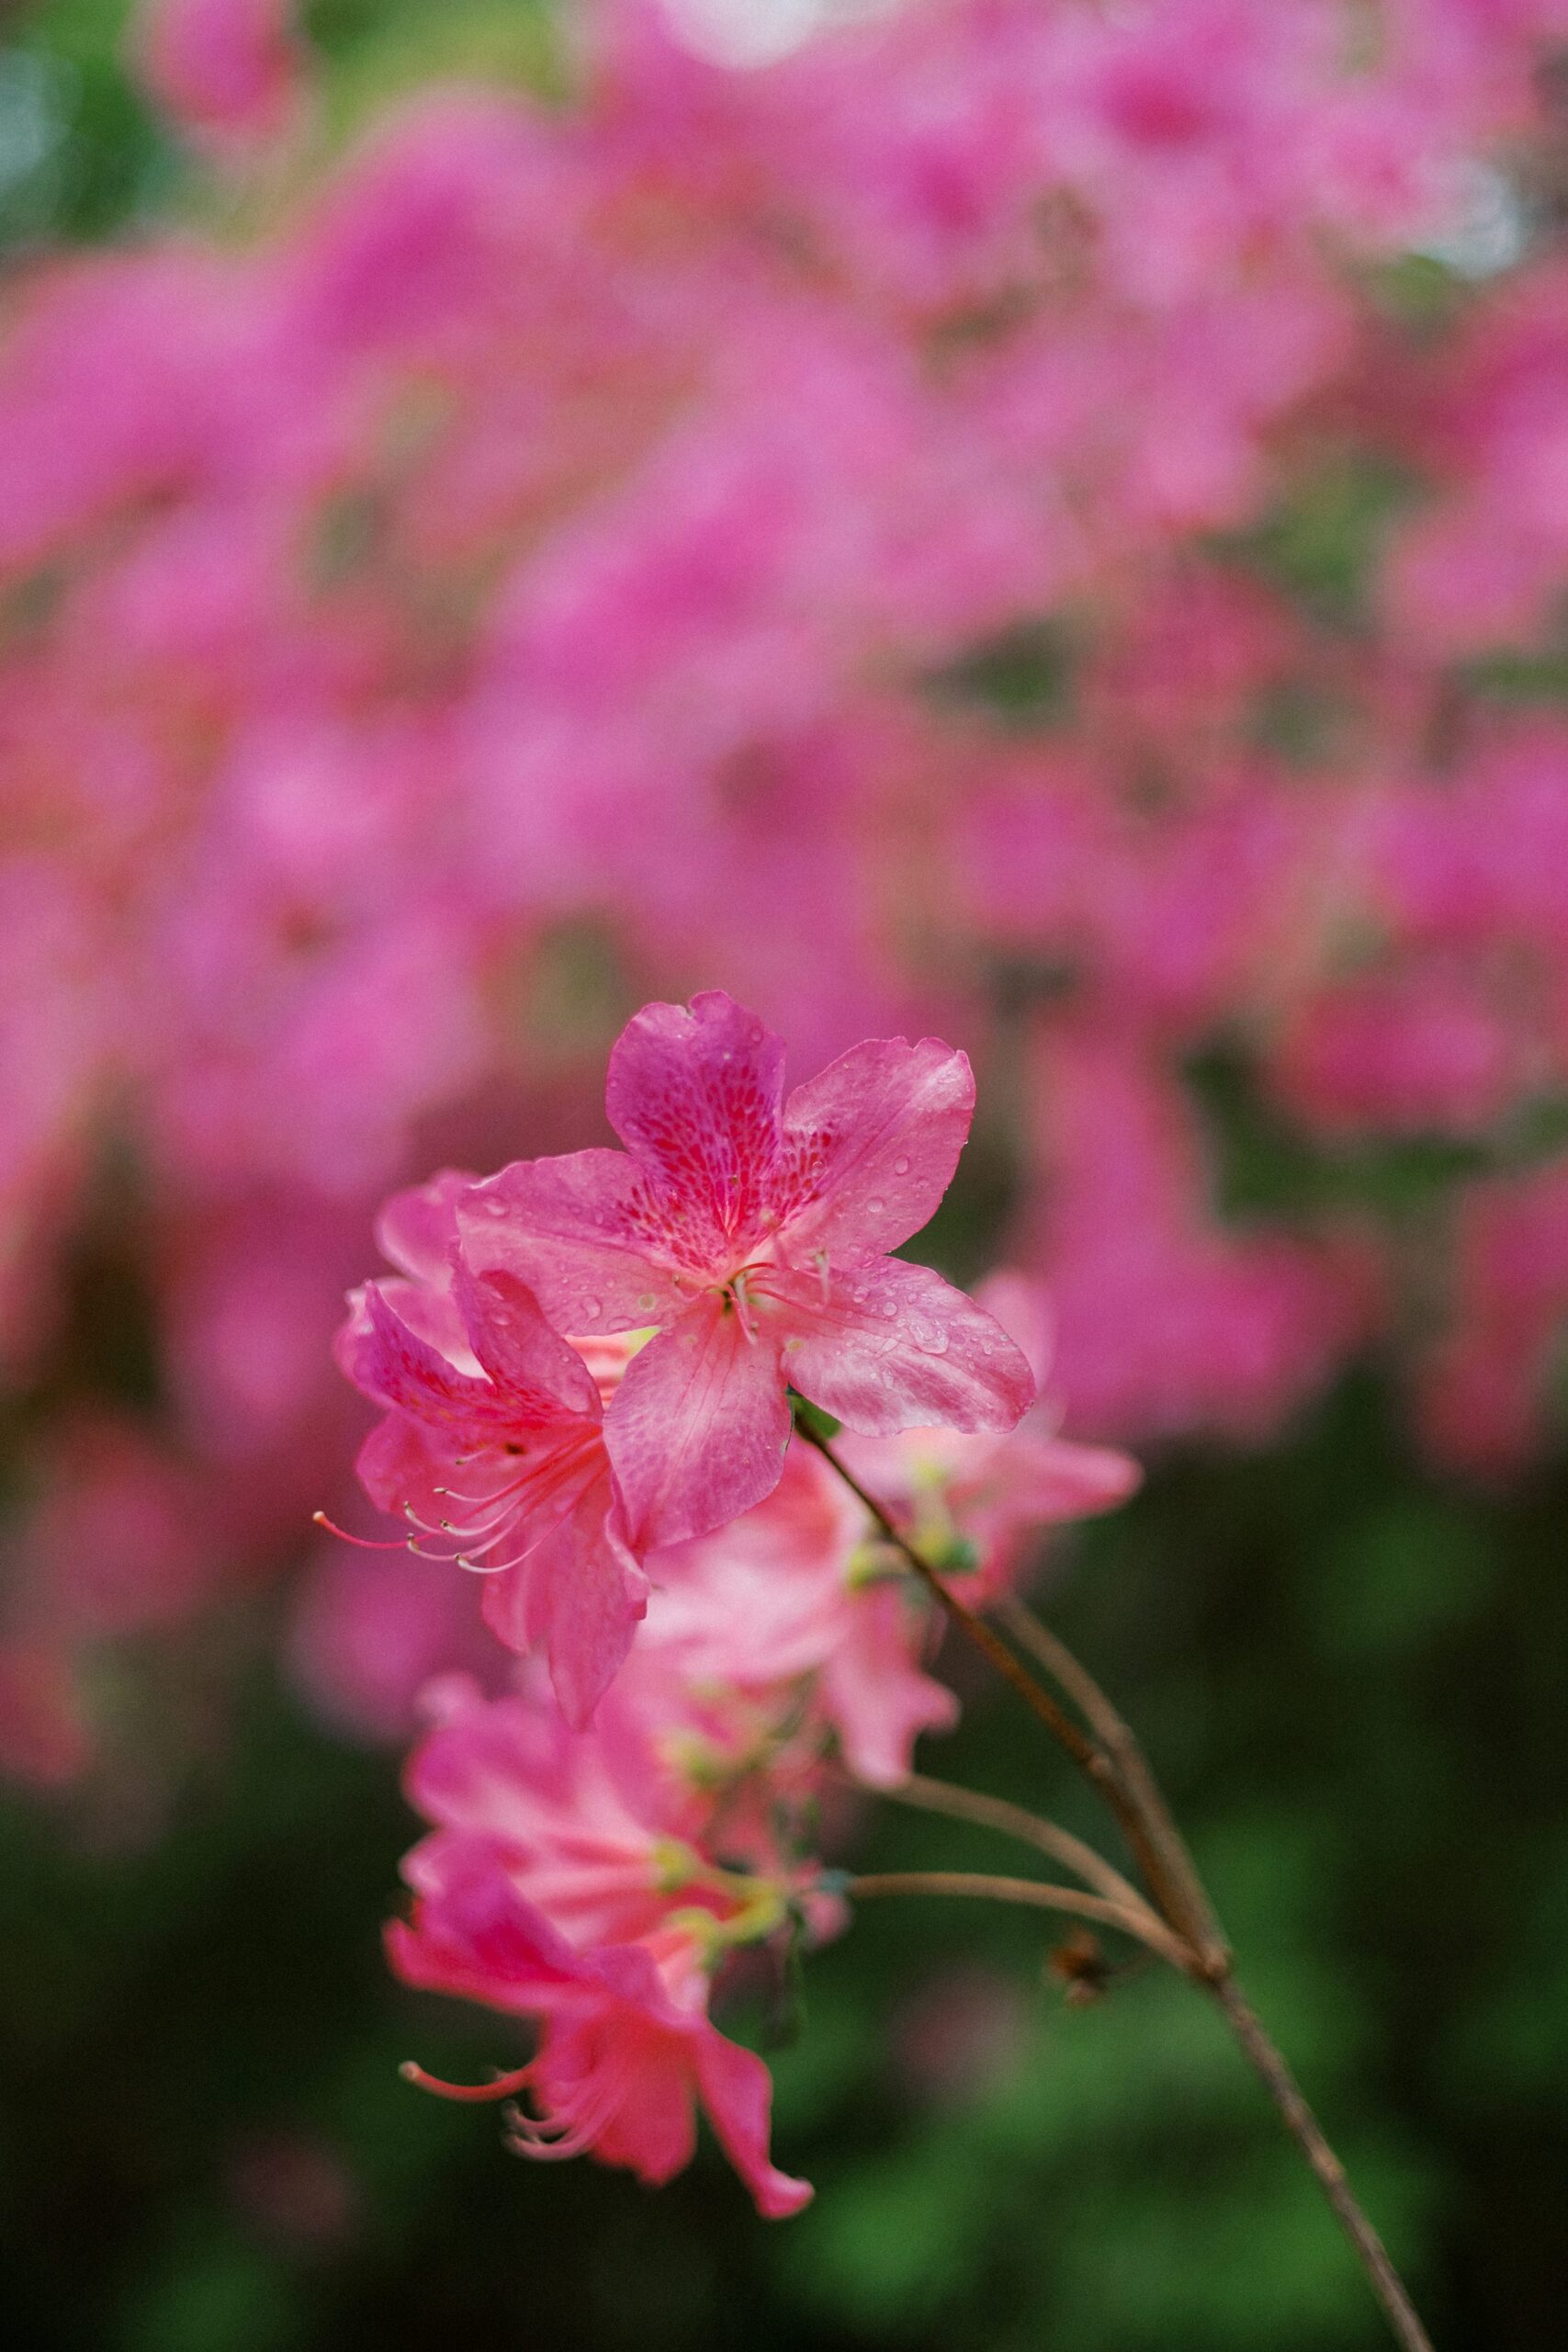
x,y
224,69
492,1449
626,2050
752,1234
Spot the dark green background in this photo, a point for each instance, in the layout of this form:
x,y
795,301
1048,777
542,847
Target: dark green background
x,y
1352,1682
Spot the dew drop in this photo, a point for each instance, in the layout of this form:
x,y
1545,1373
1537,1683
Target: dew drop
x,y
591,1310
496,1206
875,1205
649,1298
901,1165
890,1307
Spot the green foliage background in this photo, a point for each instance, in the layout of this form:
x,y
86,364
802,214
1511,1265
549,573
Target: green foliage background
x,y
1350,1677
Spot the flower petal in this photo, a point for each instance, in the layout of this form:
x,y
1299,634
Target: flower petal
x,y
738,2094
876,1696
894,1347
1056,1479
652,2130
475,1935
529,1362
416,1228
871,1144
573,1229
579,1596
394,1363
698,1427
694,1095
403,1466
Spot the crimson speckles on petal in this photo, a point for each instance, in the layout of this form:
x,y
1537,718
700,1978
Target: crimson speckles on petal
x,y
751,1233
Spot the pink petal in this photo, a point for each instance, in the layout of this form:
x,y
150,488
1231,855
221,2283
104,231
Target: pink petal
x,y
896,1348
579,1596
1022,1307
489,1768
416,1229
878,1699
694,1095
535,1367
653,2132
395,1364
738,2093
400,1463
698,1427
1061,1480
430,1314
574,1230
872,1143
475,1935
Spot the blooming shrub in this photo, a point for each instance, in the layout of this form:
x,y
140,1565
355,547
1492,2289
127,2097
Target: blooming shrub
x,y
680,532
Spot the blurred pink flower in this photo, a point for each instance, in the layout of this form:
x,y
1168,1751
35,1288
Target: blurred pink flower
x,y
625,2050
224,69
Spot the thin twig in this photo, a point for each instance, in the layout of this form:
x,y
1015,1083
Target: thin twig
x,y
1113,1759
1196,1915
1029,1828
1139,1924
1303,2127
1089,1757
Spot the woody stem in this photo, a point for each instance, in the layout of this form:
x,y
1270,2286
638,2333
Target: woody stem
x,y
1090,1758
1012,1820
1139,1924
1109,1757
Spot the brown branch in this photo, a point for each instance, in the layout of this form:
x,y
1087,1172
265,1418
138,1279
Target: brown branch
x,y
1098,1767
1186,1932
1304,2127
1139,1925
1194,1913
1029,1828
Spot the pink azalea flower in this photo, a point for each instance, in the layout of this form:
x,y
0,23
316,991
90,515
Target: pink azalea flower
x,y
493,1448
752,1234
626,2050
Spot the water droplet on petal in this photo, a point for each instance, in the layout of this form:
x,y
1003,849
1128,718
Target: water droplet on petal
x,y
901,1165
591,1310
648,1298
496,1206
890,1307
875,1205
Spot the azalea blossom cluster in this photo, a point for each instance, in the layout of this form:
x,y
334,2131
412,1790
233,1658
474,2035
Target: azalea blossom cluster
x,y
585,1363
862,529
